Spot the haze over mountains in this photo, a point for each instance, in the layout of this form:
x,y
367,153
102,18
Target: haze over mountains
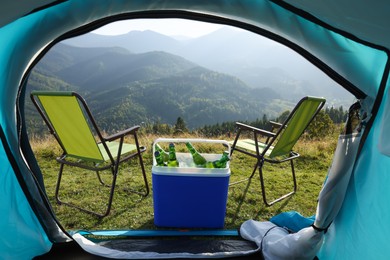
x,y
144,76
255,60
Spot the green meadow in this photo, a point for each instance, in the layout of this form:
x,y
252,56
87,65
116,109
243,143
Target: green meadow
x,y
132,211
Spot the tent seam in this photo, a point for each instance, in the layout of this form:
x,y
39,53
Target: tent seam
x,y
319,22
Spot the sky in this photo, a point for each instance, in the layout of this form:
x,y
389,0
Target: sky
x,y
170,27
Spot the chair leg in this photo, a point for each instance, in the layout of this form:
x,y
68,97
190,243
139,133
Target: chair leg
x,y
293,176
142,166
231,153
101,180
111,196
112,189
146,191
262,183
249,178
263,192
235,142
144,174
58,184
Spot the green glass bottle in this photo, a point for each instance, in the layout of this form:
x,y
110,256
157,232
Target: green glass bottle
x,y
172,162
164,154
159,158
198,159
221,163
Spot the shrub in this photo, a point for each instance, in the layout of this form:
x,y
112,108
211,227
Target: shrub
x,y
322,126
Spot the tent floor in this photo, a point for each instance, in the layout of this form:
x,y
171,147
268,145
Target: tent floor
x,y
72,250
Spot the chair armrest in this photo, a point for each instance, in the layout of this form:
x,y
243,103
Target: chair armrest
x,y
131,130
254,129
276,126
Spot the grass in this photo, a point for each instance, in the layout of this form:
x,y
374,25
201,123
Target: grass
x,y
132,211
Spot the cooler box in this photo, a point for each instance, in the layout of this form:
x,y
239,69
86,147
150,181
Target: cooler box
x,y
187,196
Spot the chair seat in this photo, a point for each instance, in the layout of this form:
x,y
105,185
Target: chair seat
x,y
114,146
249,144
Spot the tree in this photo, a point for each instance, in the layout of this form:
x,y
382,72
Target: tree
x,y
283,116
321,126
180,126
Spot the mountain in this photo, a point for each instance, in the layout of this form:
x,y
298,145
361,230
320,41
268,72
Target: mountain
x,y
62,56
124,88
257,61
198,95
115,68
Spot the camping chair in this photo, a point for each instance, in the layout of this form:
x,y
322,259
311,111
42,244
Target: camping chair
x,y
71,122
278,145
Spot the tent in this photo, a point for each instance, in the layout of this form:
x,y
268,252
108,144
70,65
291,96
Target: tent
x,y
348,40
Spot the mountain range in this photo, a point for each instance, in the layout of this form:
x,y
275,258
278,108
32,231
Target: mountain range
x,y
149,77
256,60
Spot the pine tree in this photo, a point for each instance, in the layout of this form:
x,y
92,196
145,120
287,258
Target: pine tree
x,y
180,125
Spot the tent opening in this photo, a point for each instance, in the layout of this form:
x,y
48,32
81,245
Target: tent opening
x,y
149,73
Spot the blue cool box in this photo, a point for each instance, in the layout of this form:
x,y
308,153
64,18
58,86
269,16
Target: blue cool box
x,y
190,197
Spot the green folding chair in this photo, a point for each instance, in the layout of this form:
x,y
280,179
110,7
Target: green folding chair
x,y
278,145
71,122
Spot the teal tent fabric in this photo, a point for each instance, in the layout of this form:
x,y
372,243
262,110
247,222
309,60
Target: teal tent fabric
x,y
384,137
352,49
359,230
352,17
18,222
292,220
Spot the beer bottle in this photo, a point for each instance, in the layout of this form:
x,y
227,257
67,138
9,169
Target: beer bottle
x,y
159,158
172,162
163,153
198,159
221,163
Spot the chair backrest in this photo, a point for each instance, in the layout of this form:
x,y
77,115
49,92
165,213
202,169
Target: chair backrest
x,y
296,123
64,113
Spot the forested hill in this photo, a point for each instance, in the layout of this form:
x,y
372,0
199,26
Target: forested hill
x,y
257,61
124,88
